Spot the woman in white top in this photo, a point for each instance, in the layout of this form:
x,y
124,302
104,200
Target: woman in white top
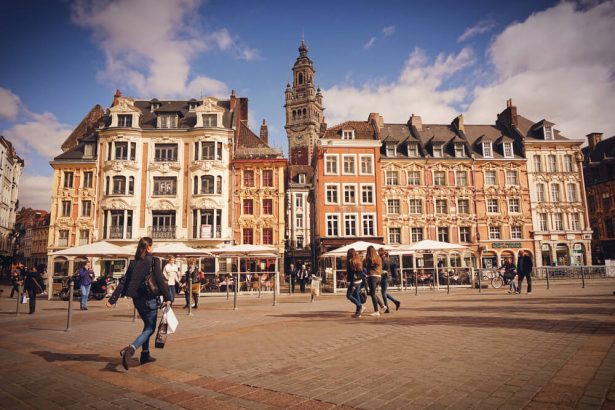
x,y
171,273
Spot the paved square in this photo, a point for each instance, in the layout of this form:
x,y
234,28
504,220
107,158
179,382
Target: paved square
x,y
551,349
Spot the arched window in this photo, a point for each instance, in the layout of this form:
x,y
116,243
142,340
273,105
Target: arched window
x,y
294,114
207,184
219,185
300,78
304,113
119,185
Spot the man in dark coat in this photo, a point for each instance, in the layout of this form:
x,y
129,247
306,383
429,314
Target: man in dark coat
x,y
524,270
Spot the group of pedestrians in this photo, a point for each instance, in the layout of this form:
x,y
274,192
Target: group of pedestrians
x,y
366,275
32,281
299,274
177,281
523,270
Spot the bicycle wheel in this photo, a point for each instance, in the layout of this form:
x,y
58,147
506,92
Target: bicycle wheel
x,y
496,283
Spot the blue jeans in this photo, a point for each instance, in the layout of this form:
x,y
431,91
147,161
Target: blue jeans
x,y
513,287
354,295
384,285
85,292
148,310
172,291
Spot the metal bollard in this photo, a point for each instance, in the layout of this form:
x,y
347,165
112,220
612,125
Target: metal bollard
x,y
448,283
547,273
189,290
19,297
479,275
227,285
275,276
416,284
236,291
70,303
583,278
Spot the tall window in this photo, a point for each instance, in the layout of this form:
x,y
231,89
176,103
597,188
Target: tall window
x,y
575,221
66,205
511,178
350,225
331,164
392,178
555,193
369,228
437,151
210,120
490,177
508,149
415,206
443,234
461,178
331,194
394,235
299,221
367,165
391,150
349,164
548,133
267,236
63,238
367,194
439,178
487,152
460,151
124,120
414,178
333,225
558,222
88,178
492,205
393,206
121,151
516,232
544,224
416,234
84,236
537,163
248,206
248,178
514,205
268,177
165,185
86,208
207,184
350,194
465,234
540,192
568,167
441,206
494,232
165,152
248,236
552,163
572,193
268,206
208,150
119,185
463,206
413,150
68,180
299,201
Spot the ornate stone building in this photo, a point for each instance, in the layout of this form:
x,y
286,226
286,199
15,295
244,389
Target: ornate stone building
x,y
11,167
304,123
599,170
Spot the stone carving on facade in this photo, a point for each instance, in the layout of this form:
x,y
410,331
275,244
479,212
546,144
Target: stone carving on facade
x,y
121,166
167,204
85,223
64,223
205,203
164,167
165,139
206,165
116,204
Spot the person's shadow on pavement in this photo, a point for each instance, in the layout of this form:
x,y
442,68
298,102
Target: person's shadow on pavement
x,y
112,362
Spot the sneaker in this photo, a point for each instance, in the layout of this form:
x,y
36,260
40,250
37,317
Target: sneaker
x,y
375,314
387,310
127,354
529,293
362,309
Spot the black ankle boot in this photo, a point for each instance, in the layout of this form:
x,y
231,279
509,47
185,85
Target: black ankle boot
x,y
146,358
127,354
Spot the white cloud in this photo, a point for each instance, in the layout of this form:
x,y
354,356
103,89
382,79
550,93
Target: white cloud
x,y
418,89
481,27
388,30
566,75
369,43
35,191
40,134
9,104
149,48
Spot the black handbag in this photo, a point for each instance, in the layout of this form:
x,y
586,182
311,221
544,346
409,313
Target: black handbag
x,y
151,285
363,295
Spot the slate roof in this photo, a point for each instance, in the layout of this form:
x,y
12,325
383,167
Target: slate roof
x,y
363,130
604,149
187,118
250,146
86,128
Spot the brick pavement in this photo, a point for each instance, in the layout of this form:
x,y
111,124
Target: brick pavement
x,y
551,349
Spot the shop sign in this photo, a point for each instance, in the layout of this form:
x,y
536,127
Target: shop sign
x,y
500,245
578,247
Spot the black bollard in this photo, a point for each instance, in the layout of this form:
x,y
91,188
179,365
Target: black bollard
x,y
70,303
275,276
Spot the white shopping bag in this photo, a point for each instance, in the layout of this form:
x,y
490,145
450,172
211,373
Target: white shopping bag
x,y
171,319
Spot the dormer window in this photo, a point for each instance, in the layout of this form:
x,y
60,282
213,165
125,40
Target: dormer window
x,y
167,121
508,150
487,150
348,134
460,150
210,120
413,150
124,120
154,106
437,151
88,150
192,105
391,150
548,133
301,178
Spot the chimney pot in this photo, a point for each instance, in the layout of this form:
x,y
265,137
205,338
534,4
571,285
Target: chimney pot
x,y
264,133
416,122
593,139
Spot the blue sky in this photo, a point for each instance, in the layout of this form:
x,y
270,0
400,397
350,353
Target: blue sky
x,y
434,59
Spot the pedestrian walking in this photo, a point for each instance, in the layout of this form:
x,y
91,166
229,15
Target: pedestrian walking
x,y
16,280
373,265
192,273
86,276
303,277
524,270
510,274
354,273
316,279
33,285
385,281
132,284
171,274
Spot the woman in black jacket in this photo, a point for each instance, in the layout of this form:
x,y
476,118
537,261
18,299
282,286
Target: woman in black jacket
x,y
33,285
133,285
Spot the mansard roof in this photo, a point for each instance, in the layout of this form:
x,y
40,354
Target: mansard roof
x,y
534,130
86,128
363,130
250,146
187,118
603,149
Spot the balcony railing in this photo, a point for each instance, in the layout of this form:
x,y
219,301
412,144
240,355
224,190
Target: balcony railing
x,y
117,232
162,232
209,234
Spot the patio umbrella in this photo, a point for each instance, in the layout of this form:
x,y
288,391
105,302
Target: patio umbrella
x,y
428,245
359,246
101,248
178,248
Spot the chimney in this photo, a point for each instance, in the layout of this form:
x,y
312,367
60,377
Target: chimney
x,y
594,139
415,121
376,118
508,117
116,98
264,135
232,101
458,123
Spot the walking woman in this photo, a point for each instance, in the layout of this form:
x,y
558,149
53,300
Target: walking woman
x,y
33,285
373,265
354,273
133,285
171,274
193,274
384,283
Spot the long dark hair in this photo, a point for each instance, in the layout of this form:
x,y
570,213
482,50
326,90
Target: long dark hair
x,y
144,243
